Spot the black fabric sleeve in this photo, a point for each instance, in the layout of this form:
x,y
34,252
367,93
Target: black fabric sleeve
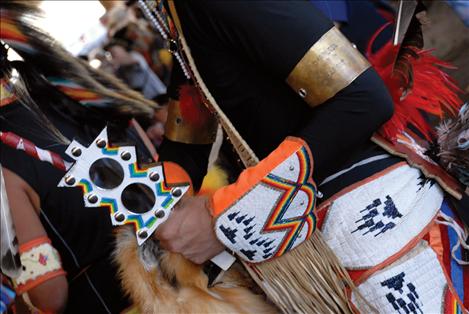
x,y
22,165
273,35
233,41
341,125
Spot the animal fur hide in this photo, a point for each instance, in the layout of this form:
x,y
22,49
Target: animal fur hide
x,y
162,282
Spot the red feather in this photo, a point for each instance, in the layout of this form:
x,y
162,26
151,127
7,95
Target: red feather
x,y
424,88
193,110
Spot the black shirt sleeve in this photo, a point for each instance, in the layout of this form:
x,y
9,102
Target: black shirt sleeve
x,y
245,50
273,35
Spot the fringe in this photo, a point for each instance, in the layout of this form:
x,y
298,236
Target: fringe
x,y
462,233
308,279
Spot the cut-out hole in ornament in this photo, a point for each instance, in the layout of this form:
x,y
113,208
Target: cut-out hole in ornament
x,y
106,173
138,198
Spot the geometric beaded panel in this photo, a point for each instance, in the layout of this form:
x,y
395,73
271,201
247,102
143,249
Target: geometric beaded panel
x,y
415,283
374,221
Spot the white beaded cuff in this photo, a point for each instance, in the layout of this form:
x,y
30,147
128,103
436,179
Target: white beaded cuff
x,y
40,261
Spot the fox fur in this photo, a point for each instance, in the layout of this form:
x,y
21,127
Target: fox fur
x,y
158,281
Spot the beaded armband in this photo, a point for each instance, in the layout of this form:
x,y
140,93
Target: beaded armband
x,y
40,261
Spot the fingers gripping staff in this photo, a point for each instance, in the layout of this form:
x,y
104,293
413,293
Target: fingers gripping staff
x,y
270,209
110,177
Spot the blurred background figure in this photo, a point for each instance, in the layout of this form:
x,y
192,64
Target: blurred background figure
x,y
132,68
49,97
137,55
114,37
7,295
461,7
126,24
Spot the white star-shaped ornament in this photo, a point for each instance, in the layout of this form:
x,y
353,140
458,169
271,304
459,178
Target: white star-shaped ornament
x,y
110,177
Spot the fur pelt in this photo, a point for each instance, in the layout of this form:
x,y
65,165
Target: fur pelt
x,y
158,281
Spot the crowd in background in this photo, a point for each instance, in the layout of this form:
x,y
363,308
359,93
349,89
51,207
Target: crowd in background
x,y
135,53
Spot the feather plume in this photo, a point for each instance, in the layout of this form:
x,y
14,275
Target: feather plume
x,y
413,39
416,82
453,143
51,59
193,110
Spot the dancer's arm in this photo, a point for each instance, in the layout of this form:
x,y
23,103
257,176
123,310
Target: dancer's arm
x,y
50,295
278,38
295,44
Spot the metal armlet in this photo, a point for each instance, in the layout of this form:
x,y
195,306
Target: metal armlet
x,y
330,65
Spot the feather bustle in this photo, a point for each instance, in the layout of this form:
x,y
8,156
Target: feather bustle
x,y
453,144
433,91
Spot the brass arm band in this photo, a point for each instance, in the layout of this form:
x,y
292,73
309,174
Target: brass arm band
x,y
183,130
329,66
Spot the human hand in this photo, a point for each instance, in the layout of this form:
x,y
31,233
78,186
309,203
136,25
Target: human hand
x,y
189,231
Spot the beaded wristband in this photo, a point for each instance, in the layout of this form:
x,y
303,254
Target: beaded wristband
x,y
40,261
